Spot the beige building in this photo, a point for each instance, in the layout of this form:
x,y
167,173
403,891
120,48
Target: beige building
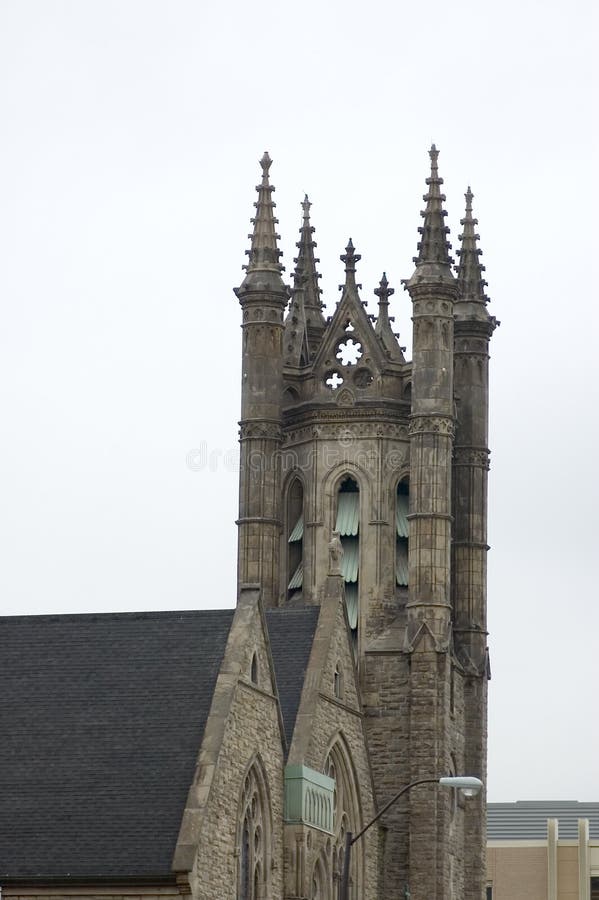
x,y
543,851
226,754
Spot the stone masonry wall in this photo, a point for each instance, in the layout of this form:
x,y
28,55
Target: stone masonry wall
x,y
105,892
251,730
338,719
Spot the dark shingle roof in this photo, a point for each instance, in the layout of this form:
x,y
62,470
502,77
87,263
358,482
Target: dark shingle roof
x,y
527,820
291,632
101,718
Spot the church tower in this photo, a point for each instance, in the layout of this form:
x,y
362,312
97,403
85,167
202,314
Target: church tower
x,y
340,433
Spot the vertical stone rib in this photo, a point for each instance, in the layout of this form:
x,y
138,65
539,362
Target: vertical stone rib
x,y
473,327
263,297
433,290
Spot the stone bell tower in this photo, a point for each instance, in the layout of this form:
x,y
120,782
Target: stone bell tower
x,y
340,433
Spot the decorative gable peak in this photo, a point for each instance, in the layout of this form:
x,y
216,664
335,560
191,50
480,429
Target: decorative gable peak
x,y
350,346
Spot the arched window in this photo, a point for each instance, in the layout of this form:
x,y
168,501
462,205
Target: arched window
x,y
295,539
348,525
346,817
318,889
402,502
254,838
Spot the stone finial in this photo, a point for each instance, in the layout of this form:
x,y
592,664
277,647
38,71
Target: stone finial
x,y
350,258
383,292
471,284
335,554
433,262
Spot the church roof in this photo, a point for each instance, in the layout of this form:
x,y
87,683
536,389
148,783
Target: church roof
x,y
291,633
102,719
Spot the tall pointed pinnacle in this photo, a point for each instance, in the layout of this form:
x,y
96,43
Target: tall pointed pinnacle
x,y
383,327
264,269
350,258
305,323
433,262
471,284
305,273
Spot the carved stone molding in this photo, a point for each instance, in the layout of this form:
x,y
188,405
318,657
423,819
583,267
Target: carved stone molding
x,y
261,430
423,424
346,432
391,413
271,315
433,306
471,456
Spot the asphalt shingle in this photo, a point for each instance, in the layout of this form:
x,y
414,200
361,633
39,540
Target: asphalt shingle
x,y
102,718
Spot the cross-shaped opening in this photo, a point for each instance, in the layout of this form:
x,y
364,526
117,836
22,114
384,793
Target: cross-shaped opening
x,y
334,380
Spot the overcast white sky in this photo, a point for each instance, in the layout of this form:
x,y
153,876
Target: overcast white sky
x,y
130,132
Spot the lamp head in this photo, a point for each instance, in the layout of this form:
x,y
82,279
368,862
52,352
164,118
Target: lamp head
x,y
466,783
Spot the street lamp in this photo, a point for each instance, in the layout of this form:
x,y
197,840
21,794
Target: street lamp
x,y
468,784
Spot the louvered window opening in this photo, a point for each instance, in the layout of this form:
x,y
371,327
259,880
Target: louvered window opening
x,y
295,541
402,535
348,526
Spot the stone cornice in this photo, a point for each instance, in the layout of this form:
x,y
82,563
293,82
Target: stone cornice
x,y
474,327
389,412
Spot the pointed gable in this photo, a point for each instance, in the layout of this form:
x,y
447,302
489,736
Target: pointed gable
x,y
350,339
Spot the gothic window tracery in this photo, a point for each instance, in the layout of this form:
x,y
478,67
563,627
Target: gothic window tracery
x,y
346,818
254,838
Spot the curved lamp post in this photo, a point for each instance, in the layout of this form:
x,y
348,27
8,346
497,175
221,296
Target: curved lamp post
x,y
466,783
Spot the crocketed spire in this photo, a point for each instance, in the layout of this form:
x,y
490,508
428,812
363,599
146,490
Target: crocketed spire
x,y
264,269
383,327
305,323
433,261
305,274
471,284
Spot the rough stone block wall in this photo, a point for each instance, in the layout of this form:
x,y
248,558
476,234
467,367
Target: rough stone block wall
x,y
386,699
252,728
434,747
99,893
333,717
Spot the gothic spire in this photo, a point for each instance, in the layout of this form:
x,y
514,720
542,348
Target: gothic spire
x,y
383,327
305,266
263,268
471,284
305,323
433,261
